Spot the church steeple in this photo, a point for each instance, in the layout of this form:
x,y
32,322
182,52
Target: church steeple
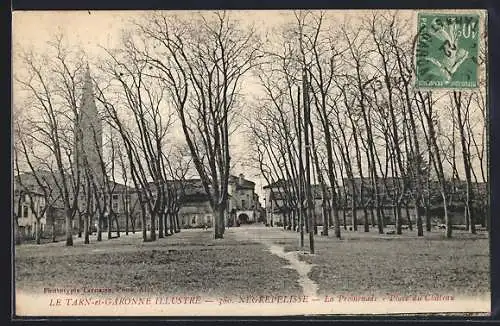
x,y
88,101
88,129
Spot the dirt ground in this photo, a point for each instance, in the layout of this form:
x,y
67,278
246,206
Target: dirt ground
x,y
192,262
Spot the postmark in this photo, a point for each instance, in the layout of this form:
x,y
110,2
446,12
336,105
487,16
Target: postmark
x,y
447,50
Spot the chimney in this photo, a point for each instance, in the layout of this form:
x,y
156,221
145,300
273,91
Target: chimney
x,y
240,180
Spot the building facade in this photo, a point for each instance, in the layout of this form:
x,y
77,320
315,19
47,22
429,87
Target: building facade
x,y
243,203
243,206
281,203
29,208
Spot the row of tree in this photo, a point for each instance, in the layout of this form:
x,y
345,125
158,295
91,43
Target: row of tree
x,y
167,69
339,95
374,135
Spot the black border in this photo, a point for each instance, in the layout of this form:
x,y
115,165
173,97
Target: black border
x,y
493,8
249,4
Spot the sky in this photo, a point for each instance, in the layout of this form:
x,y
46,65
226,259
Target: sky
x,y
91,30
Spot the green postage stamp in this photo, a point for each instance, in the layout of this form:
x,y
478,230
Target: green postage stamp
x,y
447,50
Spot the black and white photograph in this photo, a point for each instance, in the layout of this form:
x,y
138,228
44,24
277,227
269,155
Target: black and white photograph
x,y
250,163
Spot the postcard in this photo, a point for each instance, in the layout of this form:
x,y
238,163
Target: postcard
x,y
250,163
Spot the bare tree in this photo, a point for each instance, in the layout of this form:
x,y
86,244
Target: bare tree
x,y
202,59
41,185
52,83
319,55
144,96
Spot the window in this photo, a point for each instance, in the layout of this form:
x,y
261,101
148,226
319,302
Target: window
x,y
243,203
25,211
115,197
115,206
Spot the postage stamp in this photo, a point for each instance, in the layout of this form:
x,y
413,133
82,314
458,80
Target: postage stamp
x,y
447,50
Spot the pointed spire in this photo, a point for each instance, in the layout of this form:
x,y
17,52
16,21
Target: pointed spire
x,y
87,80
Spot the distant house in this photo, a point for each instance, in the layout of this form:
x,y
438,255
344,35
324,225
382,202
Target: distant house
x,y
195,210
125,206
281,200
242,205
243,201
124,200
387,189
30,200
28,205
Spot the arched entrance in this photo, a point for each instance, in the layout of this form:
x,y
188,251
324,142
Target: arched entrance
x,y
243,218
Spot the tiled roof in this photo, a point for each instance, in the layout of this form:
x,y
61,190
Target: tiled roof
x,y
241,184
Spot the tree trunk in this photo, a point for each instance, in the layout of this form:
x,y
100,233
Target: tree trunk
x,y
353,207
344,218
291,219
161,218
420,228
17,235
144,229
38,232
80,222
313,221
446,217
398,218
109,225
306,220
470,212
153,225
219,221
172,224
177,224
99,227
117,225
336,222
408,217
166,223
69,231
126,222
380,223
487,216
377,203
466,160
366,223
53,230
382,217
86,239
466,218
330,215
428,223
